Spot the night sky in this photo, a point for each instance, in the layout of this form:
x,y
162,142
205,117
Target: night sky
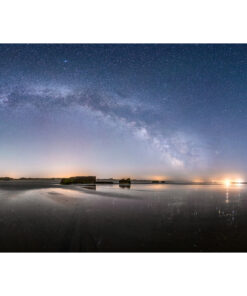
x,y
144,111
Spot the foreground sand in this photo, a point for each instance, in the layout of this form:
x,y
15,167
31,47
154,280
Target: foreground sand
x,y
46,216
43,216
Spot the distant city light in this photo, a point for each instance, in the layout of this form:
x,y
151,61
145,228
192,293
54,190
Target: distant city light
x,y
239,181
227,182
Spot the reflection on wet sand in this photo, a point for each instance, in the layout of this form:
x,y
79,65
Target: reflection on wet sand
x,y
155,217
124,186
91,187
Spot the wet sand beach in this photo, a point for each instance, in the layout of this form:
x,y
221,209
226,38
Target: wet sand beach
x,y
44,216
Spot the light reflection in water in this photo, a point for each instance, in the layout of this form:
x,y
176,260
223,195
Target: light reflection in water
x,y
124,186
227,195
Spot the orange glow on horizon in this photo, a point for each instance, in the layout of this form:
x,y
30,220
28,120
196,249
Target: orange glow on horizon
x,y
158,178
197,180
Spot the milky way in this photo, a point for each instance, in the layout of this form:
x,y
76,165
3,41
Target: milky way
x,y
123,110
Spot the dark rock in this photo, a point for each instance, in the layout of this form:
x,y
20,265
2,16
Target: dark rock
x,y
125,181
79,180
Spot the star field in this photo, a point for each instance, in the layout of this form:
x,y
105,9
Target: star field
x,y
170,110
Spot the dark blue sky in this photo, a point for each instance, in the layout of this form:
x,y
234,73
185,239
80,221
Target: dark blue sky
x,y
123,110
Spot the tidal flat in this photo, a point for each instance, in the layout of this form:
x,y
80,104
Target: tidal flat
x,y
44,216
